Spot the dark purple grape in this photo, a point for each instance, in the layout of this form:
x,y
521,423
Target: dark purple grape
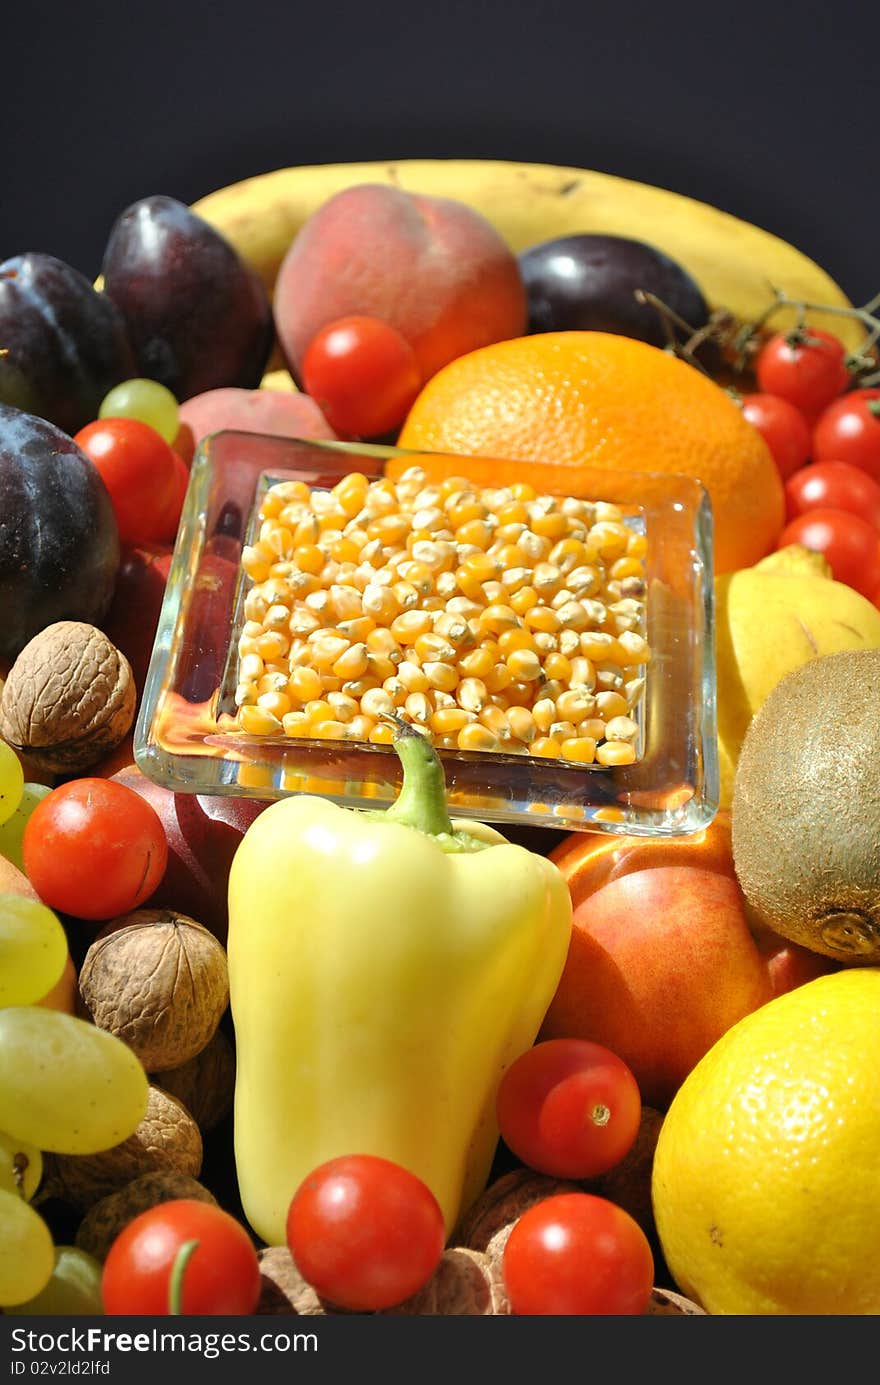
x,y
588,283
63,343
197,313
59,544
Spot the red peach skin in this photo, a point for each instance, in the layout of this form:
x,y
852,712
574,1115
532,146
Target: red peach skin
x,y
277,412
432,267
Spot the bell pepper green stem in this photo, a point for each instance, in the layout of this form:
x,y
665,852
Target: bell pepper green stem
x,y
175,1284
421,802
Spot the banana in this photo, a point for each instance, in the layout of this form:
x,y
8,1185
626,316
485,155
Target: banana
x,y
736,264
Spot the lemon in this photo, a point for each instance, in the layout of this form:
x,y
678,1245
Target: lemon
x,y
766,1179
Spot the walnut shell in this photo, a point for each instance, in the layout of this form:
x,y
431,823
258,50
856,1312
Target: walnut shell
x,y
283,1289
158,981
106,1218
503,1202
629,1182
69,698
166,1141
206,1083
465,1283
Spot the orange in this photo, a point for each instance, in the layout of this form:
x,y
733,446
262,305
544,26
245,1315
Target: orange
x,y
593,398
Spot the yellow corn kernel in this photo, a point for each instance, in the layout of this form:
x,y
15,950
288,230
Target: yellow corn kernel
x,y
412,676
498,678
296,724
581,672
352,662
245,694
518,694
616,753
356,687
546,748
345,602
574,615
581,750
474,533
522,724
575,705
514,637
600,646
255,563
351,493
251,667
360,726
636,545
307,532
355,631
305,683
544,713
329,730
611,704
608,540
441,675
276,702
379,603
562,730
542,618
377,702
617,729
496,618
625,567
474,736
472,694
557,666
419,707
274,644
381,734
524,665
344,705
433,646
326,649
448,721
494,718
309,558
479,661
258,721
437,555
382,666
551,524
524,600
635,648
407,627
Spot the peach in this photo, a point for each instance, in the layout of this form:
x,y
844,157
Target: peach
x,y
278,412
661,964
432,267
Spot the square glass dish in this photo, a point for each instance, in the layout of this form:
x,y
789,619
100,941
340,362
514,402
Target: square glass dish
x,y
188,737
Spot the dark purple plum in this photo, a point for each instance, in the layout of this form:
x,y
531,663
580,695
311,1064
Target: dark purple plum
x,y
64,343
588,283
198,315
59,544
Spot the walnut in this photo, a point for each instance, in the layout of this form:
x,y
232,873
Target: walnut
x,y
502,1203
629,1182
69,698
283,1289
665,1303
206,1083
465,1283
158,981
106,1218
166,1141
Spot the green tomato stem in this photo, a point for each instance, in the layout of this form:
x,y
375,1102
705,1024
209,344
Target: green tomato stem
x,y
178,1269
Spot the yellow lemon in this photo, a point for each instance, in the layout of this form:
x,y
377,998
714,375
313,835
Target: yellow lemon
x,y
766,1180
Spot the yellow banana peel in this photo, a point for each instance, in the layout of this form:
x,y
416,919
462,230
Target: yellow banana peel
x,y
736,264
769,619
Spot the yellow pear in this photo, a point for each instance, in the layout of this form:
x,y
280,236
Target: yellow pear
x,y
770,619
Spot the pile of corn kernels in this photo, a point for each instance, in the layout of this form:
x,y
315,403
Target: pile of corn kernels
x,y
495,619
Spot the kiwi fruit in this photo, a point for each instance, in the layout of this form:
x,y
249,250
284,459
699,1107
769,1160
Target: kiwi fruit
x,y
805,815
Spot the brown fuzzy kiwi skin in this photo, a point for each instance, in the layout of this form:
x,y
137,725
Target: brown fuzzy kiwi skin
x,y
805,815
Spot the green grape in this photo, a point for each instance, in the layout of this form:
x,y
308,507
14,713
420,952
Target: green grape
x,y
27,1255
145,400
74,1287
66,1085
33,949
11,781
12,830
21,1166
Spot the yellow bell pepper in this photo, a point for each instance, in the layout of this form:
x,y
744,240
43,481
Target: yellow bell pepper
x,y
384,970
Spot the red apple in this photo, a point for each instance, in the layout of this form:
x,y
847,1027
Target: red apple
x,y
203,832
661,964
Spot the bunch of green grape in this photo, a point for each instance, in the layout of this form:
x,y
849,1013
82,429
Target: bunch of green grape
x,y
65,1086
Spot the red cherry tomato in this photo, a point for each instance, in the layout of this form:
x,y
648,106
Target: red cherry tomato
x,y
833,486
577,1254
94,848
783,428
222,1275
363,375
849,542
365,1232
569,1108
807,367
138,468
849,431
171,519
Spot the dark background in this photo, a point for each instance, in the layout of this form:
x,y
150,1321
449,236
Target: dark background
x,y
766,110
